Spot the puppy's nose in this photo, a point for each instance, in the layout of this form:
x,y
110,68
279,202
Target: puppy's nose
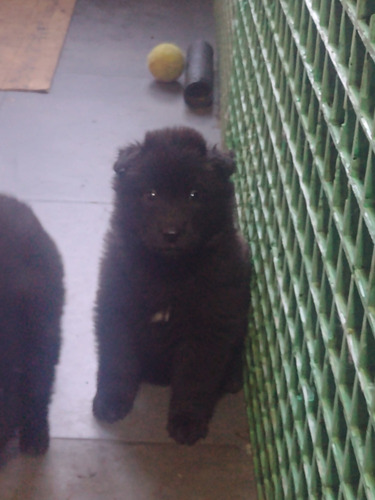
x,y
171,234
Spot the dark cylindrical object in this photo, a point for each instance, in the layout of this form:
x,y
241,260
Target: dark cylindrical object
x,y
199,75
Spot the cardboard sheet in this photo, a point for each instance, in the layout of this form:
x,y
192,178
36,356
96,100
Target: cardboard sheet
x,y
32,33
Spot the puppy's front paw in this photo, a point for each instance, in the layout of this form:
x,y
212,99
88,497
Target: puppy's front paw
x,y
187,429
110,408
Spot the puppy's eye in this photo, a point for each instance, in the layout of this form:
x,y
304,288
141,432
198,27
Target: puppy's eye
x,y
194,195
150,195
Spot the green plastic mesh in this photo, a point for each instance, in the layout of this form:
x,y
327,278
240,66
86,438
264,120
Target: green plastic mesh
x,y
298,102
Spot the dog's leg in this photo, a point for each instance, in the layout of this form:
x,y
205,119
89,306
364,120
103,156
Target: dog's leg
x,y
119,370
196,387
117,383
9,403
118,375
34,431
36,389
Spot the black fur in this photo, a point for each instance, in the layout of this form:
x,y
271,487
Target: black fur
x,y
173,294
31,301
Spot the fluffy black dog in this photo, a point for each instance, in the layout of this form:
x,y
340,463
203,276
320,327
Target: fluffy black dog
x,y
173,293
31,302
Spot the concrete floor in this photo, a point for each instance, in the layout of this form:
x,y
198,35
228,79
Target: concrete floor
x,y
56,152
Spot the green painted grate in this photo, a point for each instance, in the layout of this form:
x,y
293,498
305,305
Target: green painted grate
x,y
298,105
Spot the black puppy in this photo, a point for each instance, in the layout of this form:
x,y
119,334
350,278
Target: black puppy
x,y
31,302
173,294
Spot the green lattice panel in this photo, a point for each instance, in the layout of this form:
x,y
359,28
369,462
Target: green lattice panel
x,y
300,117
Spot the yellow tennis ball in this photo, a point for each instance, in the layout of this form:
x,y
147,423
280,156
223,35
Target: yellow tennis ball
x,y
166,62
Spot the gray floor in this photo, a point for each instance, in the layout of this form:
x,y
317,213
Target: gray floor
x,y
56,152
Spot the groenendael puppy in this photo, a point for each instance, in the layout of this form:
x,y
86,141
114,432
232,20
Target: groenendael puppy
x,y
31,302
173,294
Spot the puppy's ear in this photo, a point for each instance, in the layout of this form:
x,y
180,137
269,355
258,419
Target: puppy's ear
x,y
127,159
222,163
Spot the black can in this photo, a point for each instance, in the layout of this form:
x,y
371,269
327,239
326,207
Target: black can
x,y
199,75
